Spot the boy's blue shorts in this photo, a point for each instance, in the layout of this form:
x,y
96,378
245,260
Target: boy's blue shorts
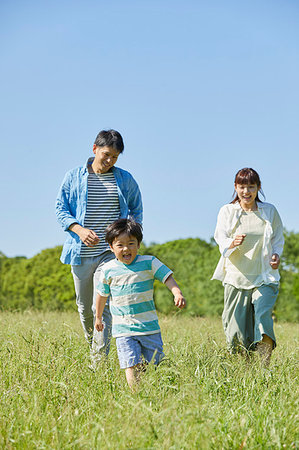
x,y
130,349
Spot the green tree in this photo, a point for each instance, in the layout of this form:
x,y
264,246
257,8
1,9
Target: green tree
x,y
193,262
44,283
287,305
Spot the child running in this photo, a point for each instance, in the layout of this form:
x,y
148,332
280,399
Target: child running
x,y
249,233
129,280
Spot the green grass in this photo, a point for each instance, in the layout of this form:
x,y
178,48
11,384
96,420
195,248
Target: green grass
x,y
199,397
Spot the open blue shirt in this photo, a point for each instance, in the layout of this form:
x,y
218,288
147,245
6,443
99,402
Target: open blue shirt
x,y
71,205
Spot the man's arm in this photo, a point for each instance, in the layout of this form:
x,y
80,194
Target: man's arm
x,y
135,201
65,217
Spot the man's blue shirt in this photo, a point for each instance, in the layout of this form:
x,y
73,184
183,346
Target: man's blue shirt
x,y
71,205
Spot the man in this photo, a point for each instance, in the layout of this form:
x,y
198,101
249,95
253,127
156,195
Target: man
x,y
91,198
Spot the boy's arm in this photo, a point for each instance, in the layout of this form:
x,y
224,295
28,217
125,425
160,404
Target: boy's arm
x,y
172,285
100,305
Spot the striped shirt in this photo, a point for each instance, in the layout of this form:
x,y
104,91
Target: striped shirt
x,y
132,288
102,209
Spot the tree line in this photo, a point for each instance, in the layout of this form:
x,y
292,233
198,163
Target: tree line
x,y
44,283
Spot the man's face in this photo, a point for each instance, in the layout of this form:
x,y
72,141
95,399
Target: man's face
x,y
105,158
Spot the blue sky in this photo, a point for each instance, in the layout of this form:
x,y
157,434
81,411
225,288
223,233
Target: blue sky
x,y
198,89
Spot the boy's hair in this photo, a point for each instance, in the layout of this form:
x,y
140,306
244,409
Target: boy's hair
x,y
120,226
110,138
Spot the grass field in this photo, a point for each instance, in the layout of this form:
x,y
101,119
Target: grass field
x,y
200,396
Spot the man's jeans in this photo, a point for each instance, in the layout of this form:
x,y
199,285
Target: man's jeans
x,y
86,277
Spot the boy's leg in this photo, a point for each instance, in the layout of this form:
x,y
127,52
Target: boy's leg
x,y
132,376
151,348
263,299
129,355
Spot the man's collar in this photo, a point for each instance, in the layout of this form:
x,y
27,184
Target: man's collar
x,y
89,161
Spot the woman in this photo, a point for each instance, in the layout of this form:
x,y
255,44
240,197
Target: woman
x,y
249,233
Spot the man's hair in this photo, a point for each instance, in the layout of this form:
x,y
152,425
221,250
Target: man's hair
x,y
120,226
110,138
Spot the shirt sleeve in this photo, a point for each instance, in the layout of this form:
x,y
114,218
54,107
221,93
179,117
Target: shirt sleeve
x,y
135,201
160,271
62,207
221,235
103,287
277,239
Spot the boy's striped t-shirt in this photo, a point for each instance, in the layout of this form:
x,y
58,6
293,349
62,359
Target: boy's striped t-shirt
x,y
131,288
102,209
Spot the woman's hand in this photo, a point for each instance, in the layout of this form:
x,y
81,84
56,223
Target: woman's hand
x,y
239,239
275,261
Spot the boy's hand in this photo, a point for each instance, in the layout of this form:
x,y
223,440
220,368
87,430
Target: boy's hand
x,y
179,301
178,297
99,326
275,261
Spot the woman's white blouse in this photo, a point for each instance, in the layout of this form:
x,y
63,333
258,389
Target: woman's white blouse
x,y
272,242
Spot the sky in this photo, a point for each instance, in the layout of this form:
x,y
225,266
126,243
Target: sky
x,y
198,90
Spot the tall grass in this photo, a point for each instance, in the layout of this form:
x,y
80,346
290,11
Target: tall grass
x,y
199,397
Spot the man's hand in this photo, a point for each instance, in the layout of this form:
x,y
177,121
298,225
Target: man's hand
x,y
87,236
275,261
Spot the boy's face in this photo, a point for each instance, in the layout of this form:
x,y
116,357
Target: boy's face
x,y
125,248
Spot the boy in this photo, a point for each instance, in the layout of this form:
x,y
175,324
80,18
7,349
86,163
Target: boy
x,y
129,279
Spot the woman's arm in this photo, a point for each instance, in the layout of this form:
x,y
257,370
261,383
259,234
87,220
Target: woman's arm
x,y
277,239
222,237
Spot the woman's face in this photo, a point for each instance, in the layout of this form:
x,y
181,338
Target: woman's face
x,y
247,194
